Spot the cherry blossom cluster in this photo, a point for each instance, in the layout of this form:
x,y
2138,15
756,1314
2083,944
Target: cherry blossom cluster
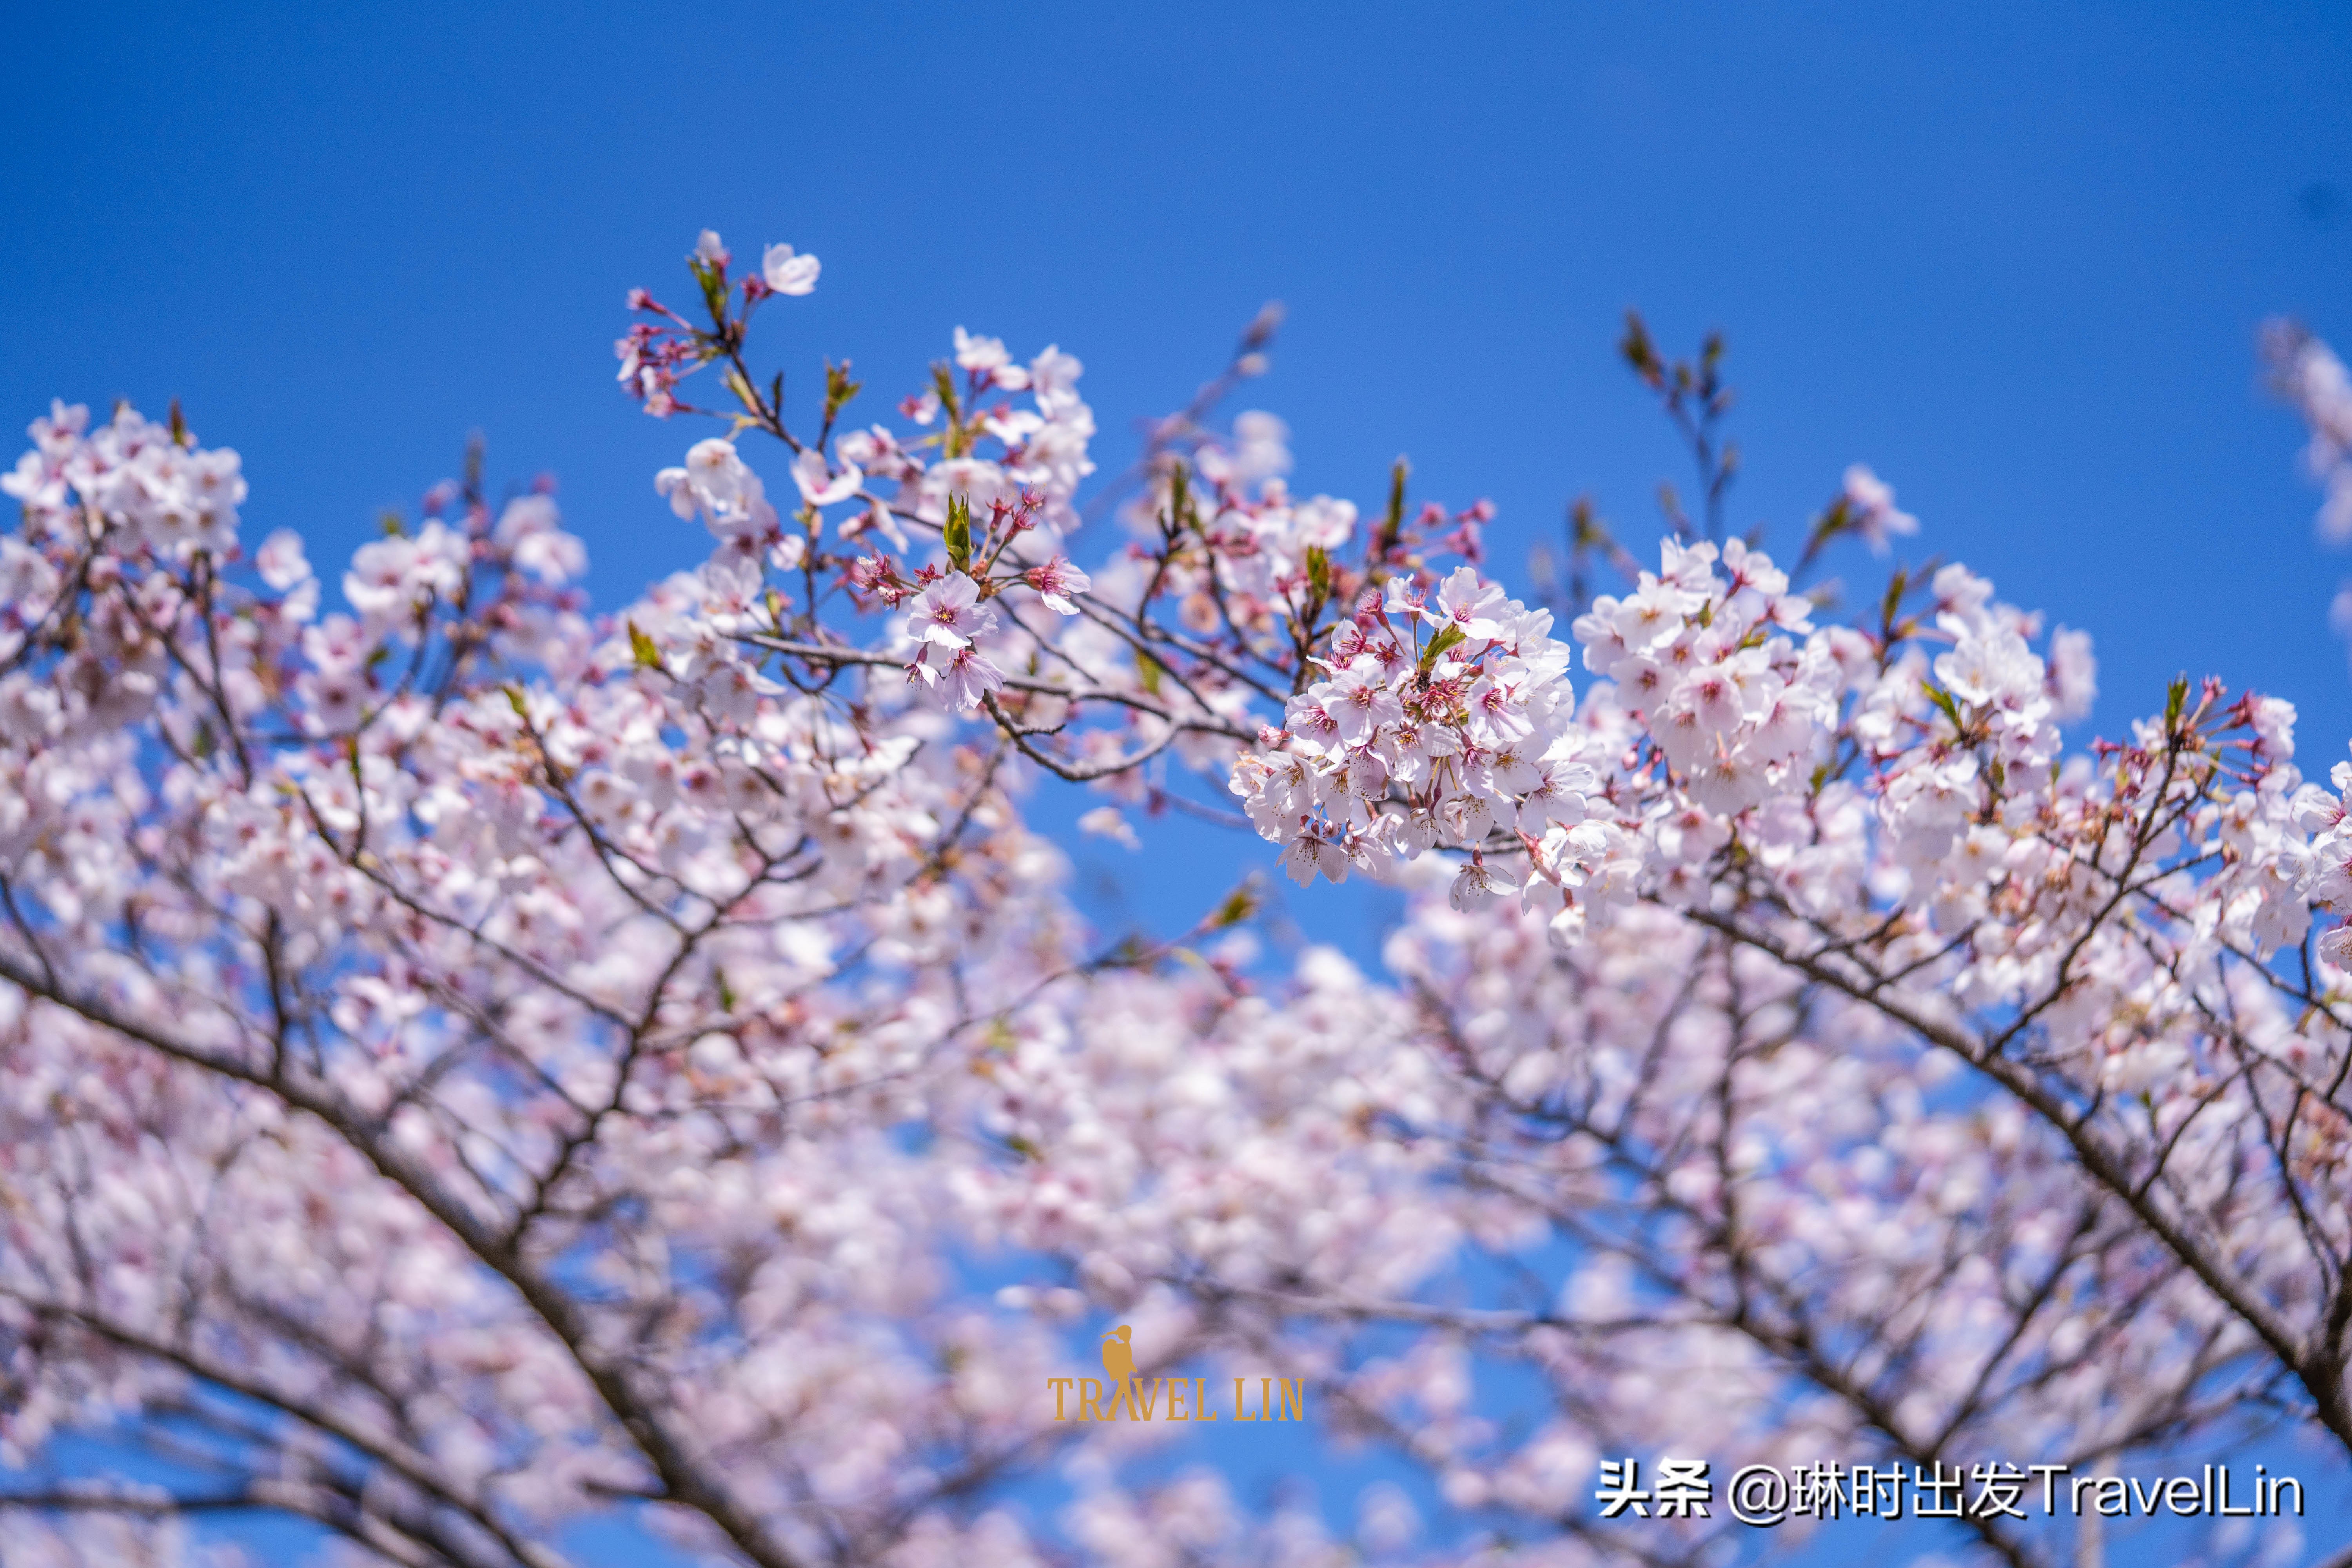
x,y
1230,596
469,1065
406,937
2311,379
1453,704
992,482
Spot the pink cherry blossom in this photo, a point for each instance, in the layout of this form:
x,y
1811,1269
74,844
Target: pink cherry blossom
x,y
821,487
948,614
786,273
473,1068
1876,516
1057,583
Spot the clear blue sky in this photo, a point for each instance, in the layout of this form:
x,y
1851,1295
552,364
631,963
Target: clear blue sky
x,y
2014,255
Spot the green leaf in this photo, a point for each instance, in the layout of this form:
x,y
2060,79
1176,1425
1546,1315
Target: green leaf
x,y
1896,586
1447,638
1943,700
1641,356
1180,499
714,289
1147,669
1239,905
1392,525
1837,519
838,388
1319,571
515,701
958,533
943,382
1586,531
648,655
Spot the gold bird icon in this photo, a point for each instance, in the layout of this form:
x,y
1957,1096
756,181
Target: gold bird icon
x,y
1118,1355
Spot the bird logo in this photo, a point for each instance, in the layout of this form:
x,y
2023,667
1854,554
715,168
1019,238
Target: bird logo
x,y
1117,1354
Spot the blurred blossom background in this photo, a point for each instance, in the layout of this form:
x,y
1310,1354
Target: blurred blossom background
x,y
2014,257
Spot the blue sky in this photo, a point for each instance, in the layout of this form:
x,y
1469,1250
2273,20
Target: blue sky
x,y
2012,255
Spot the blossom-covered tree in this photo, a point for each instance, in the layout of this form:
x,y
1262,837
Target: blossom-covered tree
x,y
467,1066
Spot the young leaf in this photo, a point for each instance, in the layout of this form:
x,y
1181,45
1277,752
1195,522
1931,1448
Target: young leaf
x,y
1238,905
1447,636
958,533
714,289
1896,586
1180,499
1393,524
1943,700
955,439
838,388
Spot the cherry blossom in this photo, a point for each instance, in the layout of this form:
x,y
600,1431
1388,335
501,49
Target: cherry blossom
x,y
2309,376
948,613
1876,516
821,487
786,273
474,1065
